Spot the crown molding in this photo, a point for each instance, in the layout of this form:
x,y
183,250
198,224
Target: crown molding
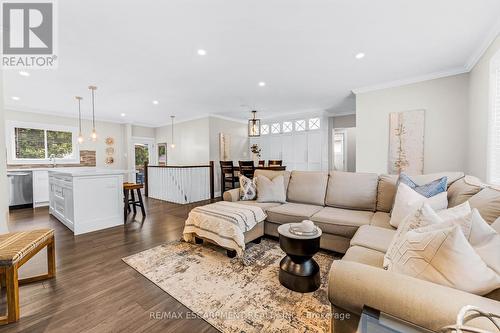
x,y
236,120
416,79
476,56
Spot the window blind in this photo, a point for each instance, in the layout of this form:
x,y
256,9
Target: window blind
x,y
494,144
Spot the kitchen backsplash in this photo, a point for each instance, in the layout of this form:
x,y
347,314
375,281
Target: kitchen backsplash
x,y
87,159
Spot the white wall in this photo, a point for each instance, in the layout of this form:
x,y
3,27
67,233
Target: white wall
x,y
479,103
191,138
143,132
4,198
104,130
445,144
238,143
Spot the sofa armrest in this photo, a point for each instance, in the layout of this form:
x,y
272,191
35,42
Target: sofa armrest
x,y
232,195
353,285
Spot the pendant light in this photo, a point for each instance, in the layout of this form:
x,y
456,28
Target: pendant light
x,y
80,136
93,135
254,125
172,145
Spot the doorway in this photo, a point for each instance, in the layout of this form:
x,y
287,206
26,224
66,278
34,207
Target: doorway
x,y
143,152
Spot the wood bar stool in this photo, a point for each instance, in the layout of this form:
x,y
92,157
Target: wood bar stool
x,y
129,199
17,248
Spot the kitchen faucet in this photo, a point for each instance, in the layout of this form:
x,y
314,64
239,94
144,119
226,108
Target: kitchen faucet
x,y
53,160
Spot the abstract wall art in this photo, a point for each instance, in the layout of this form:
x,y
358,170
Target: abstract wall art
x,y
406,142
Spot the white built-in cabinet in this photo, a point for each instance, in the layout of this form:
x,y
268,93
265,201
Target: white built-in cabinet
x,y
40,188
299,150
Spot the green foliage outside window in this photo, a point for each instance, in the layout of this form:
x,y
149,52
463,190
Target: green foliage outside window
x,y
141,156
30,143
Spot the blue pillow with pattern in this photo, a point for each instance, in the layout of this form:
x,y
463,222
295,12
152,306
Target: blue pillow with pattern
x,y
428,190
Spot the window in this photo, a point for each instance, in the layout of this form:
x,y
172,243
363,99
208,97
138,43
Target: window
x,y
275,128
264,129
494,128
287,126
314,123
36,143
300,125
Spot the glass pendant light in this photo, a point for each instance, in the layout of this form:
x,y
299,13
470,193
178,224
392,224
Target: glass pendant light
x,y
172,145
93,135
80,136
254,125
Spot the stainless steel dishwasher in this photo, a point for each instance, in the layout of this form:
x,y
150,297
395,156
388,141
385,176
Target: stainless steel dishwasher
x,y
20,189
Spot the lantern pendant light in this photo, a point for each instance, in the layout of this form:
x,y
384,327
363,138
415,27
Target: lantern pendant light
x,y
80,136
93,135
254,125
172,145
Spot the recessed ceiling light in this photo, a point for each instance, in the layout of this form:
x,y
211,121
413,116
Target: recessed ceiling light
x,y
15,98
360,55
202,52
122,114
23,73
156,102
262,84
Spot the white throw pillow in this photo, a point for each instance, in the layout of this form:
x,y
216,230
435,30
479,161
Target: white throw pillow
x,y
248,189
407,200
486,241
424,216
441,254
271,190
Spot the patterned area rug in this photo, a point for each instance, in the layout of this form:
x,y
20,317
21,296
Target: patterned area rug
x,y
232,296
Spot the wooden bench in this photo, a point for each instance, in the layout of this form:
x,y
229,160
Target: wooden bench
x,y
16,249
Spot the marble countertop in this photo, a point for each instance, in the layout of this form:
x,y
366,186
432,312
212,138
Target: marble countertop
x,y
82,171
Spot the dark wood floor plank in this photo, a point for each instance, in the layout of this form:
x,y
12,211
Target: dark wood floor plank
x,y
94,290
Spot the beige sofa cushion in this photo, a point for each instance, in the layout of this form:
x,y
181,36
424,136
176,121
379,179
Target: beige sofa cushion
x,y
386,192
342,222
387,186
264,205
291,212
352,190
381,219
307,187
461,190
365,256
271,174
487,201
374,238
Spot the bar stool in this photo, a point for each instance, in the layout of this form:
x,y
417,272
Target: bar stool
x,y
128,191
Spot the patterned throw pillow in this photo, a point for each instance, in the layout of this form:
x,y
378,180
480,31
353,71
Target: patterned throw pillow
x,y
427,190
248,189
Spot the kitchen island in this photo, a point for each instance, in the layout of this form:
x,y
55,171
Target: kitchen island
x,y
86,199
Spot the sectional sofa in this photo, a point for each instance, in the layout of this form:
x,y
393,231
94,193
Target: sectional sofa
x,y
353,211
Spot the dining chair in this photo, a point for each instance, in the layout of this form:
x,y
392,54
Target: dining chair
x,y
246,168
262,163
227,175
272,163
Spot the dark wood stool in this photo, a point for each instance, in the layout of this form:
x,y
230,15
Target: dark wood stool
x,y
129,199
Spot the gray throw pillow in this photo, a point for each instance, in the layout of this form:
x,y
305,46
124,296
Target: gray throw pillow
x,y
270,190
248,190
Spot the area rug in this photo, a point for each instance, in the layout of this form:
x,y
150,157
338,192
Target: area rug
x,y
235,295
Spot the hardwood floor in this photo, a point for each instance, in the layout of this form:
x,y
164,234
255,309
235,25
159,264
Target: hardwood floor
x,y
94,290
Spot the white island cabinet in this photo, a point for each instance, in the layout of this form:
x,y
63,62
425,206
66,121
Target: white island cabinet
x,y
86,200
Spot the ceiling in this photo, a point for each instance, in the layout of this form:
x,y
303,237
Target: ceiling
x,y
304,50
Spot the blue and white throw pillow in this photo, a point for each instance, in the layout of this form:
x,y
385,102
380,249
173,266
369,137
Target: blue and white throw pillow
x,y
427,190
248,188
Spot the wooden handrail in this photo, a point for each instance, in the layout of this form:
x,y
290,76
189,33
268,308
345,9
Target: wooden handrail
x,y
211,174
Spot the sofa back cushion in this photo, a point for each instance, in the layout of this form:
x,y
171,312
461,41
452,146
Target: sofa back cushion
x,y
387,186
487,202
461,190
271,174
352,190
307,187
